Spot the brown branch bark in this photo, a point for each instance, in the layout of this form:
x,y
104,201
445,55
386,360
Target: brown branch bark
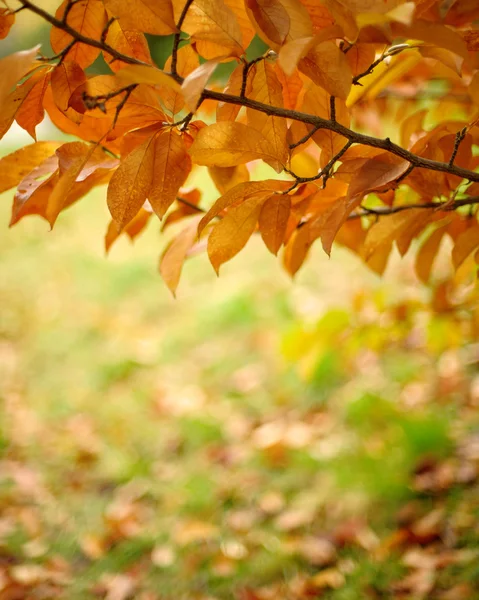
x,y
391,210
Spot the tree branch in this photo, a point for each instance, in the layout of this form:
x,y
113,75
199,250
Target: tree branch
x,y
177,38
390,210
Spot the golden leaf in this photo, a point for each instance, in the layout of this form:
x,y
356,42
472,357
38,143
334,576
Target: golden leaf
x,y
273,220
149,16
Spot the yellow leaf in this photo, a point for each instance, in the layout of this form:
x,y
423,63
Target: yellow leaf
x,y
15,166
273,220
130,42
171,167
145,74
87,17
433,33
292,52
230,235
328,67
131,183
194,84
149,16
227,144
465,245
173,258
13,68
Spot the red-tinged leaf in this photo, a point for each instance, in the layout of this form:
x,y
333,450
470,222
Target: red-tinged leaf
x,y
17,165
77,161
149,16
427,253
7,19
328,67
266,89
226,178
465,244
386,230
273,220
227,144
132,230
130,42
13,68
87,17
131,183
31,112
65,78
213,28
194,84
278,21
171,167
239,194
173,258
376,174
230,235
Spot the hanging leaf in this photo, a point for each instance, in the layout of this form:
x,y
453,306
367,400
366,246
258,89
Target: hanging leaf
x,y
149,16
273,220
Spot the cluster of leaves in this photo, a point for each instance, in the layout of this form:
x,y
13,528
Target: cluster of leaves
x,y
332,69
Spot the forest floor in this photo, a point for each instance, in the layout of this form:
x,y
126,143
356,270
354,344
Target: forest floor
x,y
254,439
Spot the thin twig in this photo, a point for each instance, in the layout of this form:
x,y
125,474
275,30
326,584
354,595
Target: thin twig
x,y
436,206
177,38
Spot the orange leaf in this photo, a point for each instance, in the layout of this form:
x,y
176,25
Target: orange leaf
x,y
241,193
465,245
171,262
171,167
273,221
87,17
328,67
187,61
7,19
31,112
226,178
229,112
66,77
132,230
376,173
214,28
230,235
427,253
227,144
131,183
130,42
149,16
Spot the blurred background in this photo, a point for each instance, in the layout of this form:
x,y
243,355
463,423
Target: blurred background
x,y
255,438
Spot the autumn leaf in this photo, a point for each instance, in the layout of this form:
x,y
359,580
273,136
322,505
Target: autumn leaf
x,y
172,259
375,174
427,253
7,19
13,68
194,83
227,144
131,183
132,229
465,244
15,166
171,167
65,78
226,178
327,67
149,16
232,232
130,42
273,220
87,17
